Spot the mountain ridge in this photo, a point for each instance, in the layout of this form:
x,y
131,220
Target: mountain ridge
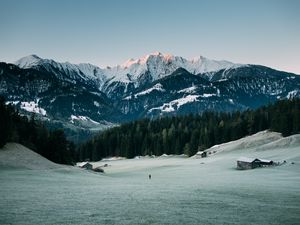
x,y
158,63
84,97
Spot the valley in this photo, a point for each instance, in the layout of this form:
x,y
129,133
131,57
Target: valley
x,y
182,190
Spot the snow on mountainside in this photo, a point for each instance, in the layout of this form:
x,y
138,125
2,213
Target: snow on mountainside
x,y
175,104
28,61
156,65
156,87
82,71
160,65
33,107
86,97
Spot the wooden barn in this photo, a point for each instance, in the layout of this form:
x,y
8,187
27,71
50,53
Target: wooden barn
x,y
200,154
85,165
245,163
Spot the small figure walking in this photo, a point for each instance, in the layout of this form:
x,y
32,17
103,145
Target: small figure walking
x,y
149,176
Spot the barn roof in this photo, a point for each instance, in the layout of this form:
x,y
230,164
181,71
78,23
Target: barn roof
x,y
250,160
83,164
199,152
246,159
265,160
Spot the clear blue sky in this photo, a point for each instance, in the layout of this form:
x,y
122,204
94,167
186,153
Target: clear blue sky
x,y
108,32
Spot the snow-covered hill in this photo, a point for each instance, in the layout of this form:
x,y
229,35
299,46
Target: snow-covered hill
x,y
14,155
264,144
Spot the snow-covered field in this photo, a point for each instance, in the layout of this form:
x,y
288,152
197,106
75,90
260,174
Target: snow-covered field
x,y
182,190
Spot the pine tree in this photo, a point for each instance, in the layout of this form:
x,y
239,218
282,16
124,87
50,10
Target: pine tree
x,y
187,149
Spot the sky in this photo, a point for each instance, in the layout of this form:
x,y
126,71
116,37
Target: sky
x,y
109,32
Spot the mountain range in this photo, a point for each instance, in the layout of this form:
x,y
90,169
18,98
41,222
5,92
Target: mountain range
x,y
82,97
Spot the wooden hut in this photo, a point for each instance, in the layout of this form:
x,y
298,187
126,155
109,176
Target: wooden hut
x,y
85,165
200,154
245,163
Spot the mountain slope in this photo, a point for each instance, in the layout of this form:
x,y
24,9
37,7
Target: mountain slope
x,y
122,79
88,97
84,73
54,99
183,92
143,71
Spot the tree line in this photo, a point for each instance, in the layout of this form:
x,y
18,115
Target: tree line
x,y
191,133
53,145
168,135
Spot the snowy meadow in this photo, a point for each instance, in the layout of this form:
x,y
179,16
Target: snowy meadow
x,y
181,190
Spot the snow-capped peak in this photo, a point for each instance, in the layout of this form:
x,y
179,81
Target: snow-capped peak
x,y
160,65
28,61
151,67
143,60
128,63
83,71
157,53
201,64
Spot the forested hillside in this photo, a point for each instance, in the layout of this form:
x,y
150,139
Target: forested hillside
x,y
189,134
169,135
51,144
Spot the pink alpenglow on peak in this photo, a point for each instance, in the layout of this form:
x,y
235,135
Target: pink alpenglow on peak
x,y
157,65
